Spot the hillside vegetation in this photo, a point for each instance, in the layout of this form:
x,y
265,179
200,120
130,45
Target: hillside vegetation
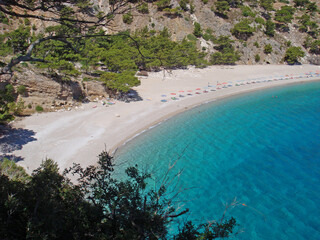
x,y
109,41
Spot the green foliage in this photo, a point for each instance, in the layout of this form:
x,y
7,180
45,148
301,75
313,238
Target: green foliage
x,y
27,22
192,7
243,30
192,37
257,58
21,90
260,20
285,14
205,1
3,18
315,47
120,82
293,54
312,7
39,108
270,28
143,8
162,4
267,49
18,40
183,5
127,18
307,25
8,106
221,7
226,53
197,31
208,36
173,11
256,44
266,4
47,205
247,11
14,172
300,3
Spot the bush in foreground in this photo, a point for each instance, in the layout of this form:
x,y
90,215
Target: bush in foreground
x,y
46,205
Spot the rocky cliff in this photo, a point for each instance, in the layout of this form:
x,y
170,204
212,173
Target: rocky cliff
x,y
180,17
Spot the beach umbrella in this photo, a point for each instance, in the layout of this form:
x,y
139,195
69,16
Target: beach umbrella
x,y
198,88
189,91
163,95
224,83
181,91
173,94
163,100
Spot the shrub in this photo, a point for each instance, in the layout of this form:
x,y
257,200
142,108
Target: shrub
x,y
3,18
221,7
183,5
162,4
270,28
257,58
192,8
21,89
39,108
267,4
205,1
315,47
260,20
293,54
197,30
127,18
300,3
285,14
267,49
256,44
143,8
247,11
243,30
192,37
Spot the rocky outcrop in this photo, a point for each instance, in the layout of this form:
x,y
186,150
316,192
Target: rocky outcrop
x,y
49,94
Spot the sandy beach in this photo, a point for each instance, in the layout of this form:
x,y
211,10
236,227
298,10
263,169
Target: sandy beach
x,y
81,134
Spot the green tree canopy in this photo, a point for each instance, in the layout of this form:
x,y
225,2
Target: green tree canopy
x,y
293,54
243,30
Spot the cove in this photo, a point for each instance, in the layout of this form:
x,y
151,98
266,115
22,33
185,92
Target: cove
x,y
262,148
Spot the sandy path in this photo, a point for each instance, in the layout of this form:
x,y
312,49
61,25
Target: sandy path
x,y
81,134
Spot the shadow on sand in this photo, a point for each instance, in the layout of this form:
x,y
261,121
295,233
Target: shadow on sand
x,y
12,139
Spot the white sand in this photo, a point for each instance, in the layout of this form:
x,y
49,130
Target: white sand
x,y
81,134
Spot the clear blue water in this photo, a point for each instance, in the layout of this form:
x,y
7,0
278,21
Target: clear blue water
x,y
262,148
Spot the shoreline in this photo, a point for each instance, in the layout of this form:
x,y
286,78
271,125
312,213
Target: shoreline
x,y
171,115
81,134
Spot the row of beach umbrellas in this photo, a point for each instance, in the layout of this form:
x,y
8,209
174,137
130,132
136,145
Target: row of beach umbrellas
x,y
174,96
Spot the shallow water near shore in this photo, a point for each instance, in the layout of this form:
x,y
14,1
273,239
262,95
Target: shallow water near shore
x,y
262,148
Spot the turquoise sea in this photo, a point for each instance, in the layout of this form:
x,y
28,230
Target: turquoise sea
x,y
262,148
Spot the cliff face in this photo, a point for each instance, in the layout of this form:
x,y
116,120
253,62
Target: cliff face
x,y
45,91
181,25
